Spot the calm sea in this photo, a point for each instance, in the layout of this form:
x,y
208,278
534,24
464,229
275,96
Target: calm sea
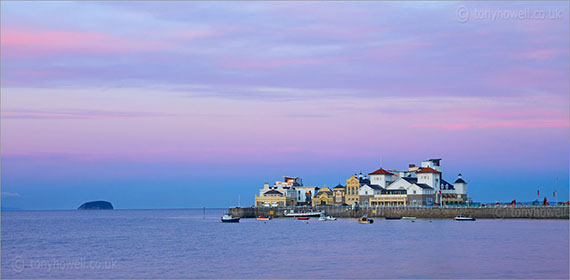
x,y
188,244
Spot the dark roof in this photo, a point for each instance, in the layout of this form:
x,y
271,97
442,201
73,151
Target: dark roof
x,y
364,181
424,186
459,180
428,170
446,185
411,180
376,187
380,172
339,186
272,192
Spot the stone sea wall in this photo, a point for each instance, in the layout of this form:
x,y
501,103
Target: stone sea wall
x,y
518,212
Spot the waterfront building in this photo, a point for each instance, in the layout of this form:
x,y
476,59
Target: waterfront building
x,y
382,177
268,196
352,187
456,193
323,197
271,198
419,185
339,195
417,192
305,194
367,191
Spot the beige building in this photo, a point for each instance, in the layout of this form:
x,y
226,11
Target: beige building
x,y
323,197
273,198
388,200
352,187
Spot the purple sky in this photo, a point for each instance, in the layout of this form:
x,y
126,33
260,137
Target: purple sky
x,y
190,104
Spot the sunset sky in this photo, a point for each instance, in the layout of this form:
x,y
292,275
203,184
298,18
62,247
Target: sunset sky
x,y
191,104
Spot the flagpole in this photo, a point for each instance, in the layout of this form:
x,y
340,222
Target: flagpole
x,y
555,190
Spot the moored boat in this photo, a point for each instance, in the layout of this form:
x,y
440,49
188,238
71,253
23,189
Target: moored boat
x,y
408,218
365,220
462,217
292,213
393,218
227,218
303,218
263,218
326,218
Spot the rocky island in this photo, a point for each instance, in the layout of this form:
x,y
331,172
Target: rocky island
x,y
96,205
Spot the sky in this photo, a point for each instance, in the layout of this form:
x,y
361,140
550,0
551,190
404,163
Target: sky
x,y
191,104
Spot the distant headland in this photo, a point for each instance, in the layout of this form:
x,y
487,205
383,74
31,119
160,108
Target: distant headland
x,y
96,205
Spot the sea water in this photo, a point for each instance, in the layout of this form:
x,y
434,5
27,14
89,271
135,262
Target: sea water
x,y
191,244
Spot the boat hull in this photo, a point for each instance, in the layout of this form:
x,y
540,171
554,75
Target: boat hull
x,y
465,219
232,220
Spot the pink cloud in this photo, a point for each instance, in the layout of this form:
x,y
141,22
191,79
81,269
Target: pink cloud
x,y
495,124
17,43
258,63
338,32
89,114
543,54
399,49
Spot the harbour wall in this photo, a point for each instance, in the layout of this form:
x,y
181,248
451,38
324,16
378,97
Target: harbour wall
x,y
518,212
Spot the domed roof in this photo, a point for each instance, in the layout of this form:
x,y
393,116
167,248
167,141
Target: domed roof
x,y
339,186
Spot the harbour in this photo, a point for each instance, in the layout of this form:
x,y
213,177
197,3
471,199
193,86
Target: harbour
x,y
502,212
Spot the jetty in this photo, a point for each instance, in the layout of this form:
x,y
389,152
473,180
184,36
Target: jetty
x,y
421,212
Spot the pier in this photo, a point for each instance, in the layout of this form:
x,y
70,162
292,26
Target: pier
x,y
490,212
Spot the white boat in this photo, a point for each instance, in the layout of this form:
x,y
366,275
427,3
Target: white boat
x,y
462,217
292,213
263,218
227,218
327,218
408,218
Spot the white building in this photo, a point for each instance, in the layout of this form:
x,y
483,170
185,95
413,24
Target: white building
x,y
382,177
286,187
423,185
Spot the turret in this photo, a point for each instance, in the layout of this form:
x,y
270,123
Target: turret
x,y
460,185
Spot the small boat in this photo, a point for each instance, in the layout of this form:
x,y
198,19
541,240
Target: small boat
x,y
263,218
327,218
303,218
365,220
408,218
227,218
462,217
292,213
393,218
